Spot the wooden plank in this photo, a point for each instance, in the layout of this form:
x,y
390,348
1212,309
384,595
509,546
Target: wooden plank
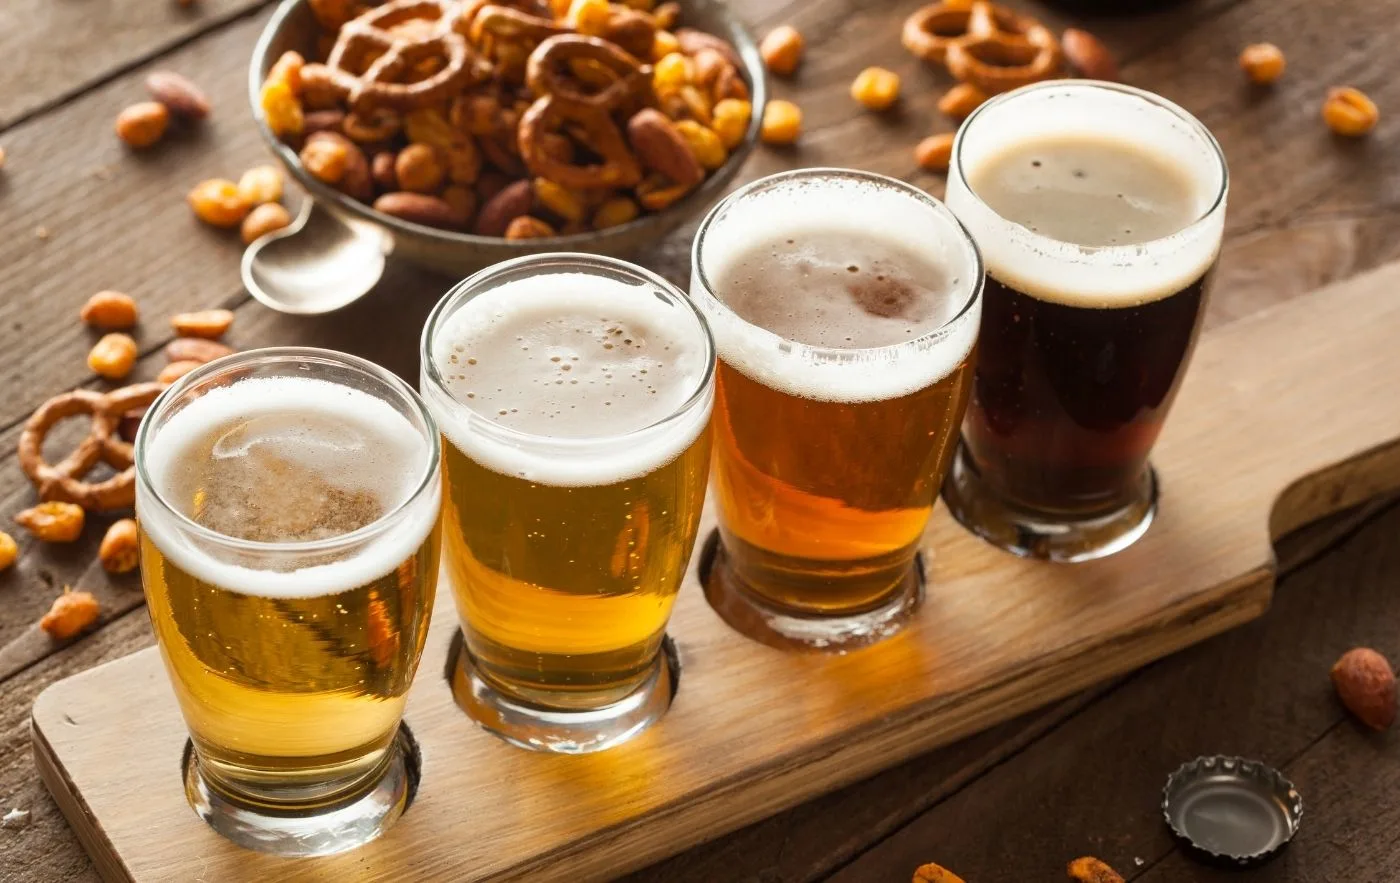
x,y
753,730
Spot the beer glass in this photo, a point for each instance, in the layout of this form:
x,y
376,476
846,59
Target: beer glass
x,y
574,395
288,501
1099,209
845,308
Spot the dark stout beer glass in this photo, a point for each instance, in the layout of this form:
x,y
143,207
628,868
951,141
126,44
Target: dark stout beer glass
x,y
1099,210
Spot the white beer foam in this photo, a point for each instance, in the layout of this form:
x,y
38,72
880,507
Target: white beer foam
x,y
600,454
1060,272
802,206
389,467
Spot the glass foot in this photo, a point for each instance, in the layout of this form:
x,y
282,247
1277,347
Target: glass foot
x,y
531,726
321,830
751,616
1050,537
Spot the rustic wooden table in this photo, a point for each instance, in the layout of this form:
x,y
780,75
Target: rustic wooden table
x,y
78,213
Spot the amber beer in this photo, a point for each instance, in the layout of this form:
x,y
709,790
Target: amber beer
x,y
1099,210
845,309
574,395
288,502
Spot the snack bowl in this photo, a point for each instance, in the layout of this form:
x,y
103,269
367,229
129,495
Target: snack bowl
x,y
294,27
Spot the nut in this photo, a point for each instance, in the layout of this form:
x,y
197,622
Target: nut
x,y
510,203
1365,683
265,219
782,50
661,147
961,100
418,208
281,110
876,88
666,15
559,200
324,121
935,152
782,122
633,31
381,169
1088,55
1262,63
527,227
1349,112
418,169
730,121
287,70
121,547
175,370
704,144
218,202
195,349
71,613
111,310
663,45
1091,870
260,184
615,212
209,324
179,95
462,200
671,72
9,551
325,159
53,522
142,124
932,873
113,356
589,17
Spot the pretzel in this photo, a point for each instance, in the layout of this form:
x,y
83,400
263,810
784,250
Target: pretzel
x,y
63,481
988,45
508,23
374,50
550,71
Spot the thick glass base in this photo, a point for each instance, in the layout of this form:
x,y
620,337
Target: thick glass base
x,y
1048,536
750,615
564,731
300,831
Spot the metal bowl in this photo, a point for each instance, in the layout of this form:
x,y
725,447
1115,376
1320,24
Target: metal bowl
x,y
294,27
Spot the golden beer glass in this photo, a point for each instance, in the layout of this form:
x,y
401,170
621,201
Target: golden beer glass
x,y
574,395
829,456
288,501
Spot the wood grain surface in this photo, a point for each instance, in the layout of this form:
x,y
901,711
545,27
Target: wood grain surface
x,y
1306,209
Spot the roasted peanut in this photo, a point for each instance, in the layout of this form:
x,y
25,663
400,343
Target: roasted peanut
x,y
217,202
704,144
782,122
615,212
961,100
419,169
671,72
730,121
260,184
179,95
175,370
121,547
9,551
1263,63
71,613
281,110
559,200
935,152
195,349
325,159
1347,111
113,356
263,220
53,522
782,50
142,124
287,69
209,324
110,309
876,88
528,227
354,179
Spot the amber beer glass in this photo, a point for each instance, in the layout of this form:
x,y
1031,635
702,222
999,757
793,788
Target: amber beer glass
x,y
288,501
1099,210
574,395
845,308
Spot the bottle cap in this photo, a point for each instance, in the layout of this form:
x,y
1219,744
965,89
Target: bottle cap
x,y
1230,811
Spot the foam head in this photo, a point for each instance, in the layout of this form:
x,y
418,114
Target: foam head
x,y
1107,276
871,219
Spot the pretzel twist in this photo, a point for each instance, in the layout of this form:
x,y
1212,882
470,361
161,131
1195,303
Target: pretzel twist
x,y
988,45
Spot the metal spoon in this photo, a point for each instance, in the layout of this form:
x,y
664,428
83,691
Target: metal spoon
x,y
316,264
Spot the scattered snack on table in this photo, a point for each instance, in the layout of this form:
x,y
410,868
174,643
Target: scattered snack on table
x,y
121,547
195,349
219,203
1263,63
110,310
263,220
1348,111
782,50
53,522
935,152
986,44
175,370
178,94
1365,683
416,101
1088,55
876,88
9,551
961,100
113,355
142,124
71,613
2,157
211,324
782,122
932,873
1091,870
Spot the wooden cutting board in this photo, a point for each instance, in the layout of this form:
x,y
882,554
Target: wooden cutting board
x,y
1286,416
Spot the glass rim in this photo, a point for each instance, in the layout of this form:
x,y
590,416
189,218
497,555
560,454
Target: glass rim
x,y
427,482
462,292
1217,203
976,274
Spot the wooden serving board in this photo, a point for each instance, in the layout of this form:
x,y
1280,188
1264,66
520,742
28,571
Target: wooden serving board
x,y
1286,416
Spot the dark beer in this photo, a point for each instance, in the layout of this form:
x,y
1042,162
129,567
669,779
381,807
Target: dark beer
x,y
1099,233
